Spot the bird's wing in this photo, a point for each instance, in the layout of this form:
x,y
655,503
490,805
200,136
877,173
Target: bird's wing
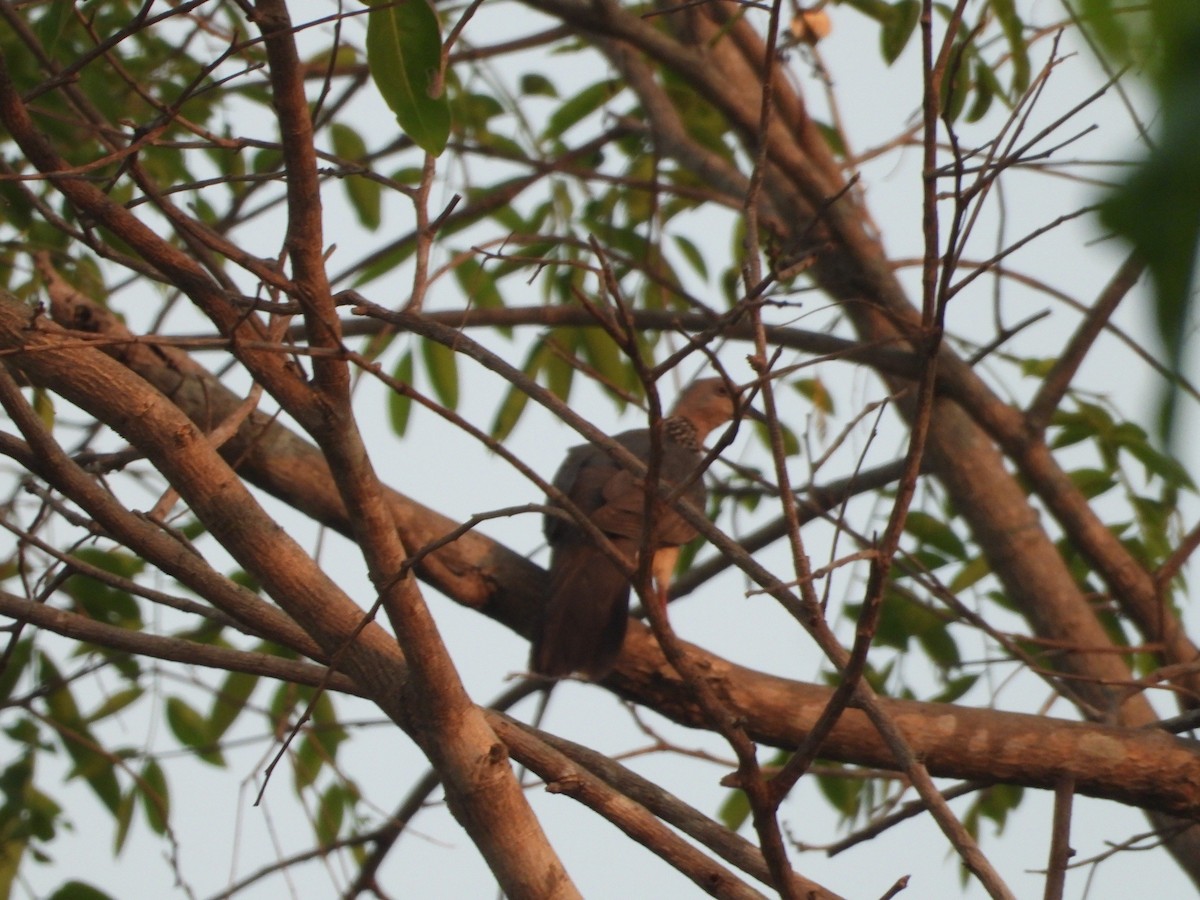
x,y
614,499
624,493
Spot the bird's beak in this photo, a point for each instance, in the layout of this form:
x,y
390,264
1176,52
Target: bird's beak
x,y
745,410
754,413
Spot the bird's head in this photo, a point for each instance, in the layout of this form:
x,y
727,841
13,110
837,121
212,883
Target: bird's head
x,y
709,403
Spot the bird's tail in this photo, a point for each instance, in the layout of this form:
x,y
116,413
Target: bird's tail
x,y
583,625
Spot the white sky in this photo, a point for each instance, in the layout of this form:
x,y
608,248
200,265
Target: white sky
x,y
222,837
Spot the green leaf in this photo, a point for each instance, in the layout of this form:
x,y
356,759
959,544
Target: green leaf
x,y
472,111
509,413
42,814
735,810
408,175
192,730
284,702
536,250
1092,482
791,443
560,375
1155,462
266,161
693,255
18,210
344,55
934,532
43,406
1037,366
404,52
103,603
843,793
156,799
10,863
904,619
245,579
78,890
703,122
90,761
580,106
114,703
59,701
640,205
956,85
478,284
16,785
604,355
955,688
330,813
997,801
898,27
320,742
876,9
441,364
938,645
327,732
924,559
816,392
307,762
1125,31
399,403
516,399
98,770
50,27
15,666
187,724
124,817
366,195
1013,28
970,574
984,93
537,85
833,137
229,702
1157,209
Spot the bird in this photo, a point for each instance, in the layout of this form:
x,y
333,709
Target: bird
x,y
583,624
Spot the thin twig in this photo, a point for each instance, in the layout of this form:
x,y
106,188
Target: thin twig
x,y
1060,839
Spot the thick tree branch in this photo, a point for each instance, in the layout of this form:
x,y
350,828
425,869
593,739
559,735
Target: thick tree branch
x,y
107,390
89,631
1150,770
562,775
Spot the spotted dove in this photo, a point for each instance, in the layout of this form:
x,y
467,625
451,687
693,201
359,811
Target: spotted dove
x,y
583,625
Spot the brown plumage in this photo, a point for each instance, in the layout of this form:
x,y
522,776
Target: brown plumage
x,y
583,625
